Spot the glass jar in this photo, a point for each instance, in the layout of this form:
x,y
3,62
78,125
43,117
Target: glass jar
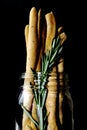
x,y
45,93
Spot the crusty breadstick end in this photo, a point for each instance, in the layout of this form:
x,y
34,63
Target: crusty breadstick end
x,y
51,29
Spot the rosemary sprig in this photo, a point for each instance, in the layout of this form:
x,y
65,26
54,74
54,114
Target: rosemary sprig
x,y
52,56
49,59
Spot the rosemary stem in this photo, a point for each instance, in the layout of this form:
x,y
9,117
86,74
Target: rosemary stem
x,y
41,119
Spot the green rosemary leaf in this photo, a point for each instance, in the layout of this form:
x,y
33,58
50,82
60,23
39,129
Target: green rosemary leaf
x,y
44,63
35,95
53,56
58,40
57,47
46,66
29,115
60,50
51,65
56,61
53,43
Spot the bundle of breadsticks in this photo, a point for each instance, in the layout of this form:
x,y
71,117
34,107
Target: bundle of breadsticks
x,y
39,33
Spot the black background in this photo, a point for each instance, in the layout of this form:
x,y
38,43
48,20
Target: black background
x,y
13,18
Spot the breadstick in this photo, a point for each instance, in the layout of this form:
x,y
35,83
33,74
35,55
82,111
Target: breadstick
x,y
41,37
62,34
34,115
38,68
51,29
52,81
60,30
31,61
32,47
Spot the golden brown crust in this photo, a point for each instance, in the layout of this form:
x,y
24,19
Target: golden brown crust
x,y
51,29
32,47
31,59
52,81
